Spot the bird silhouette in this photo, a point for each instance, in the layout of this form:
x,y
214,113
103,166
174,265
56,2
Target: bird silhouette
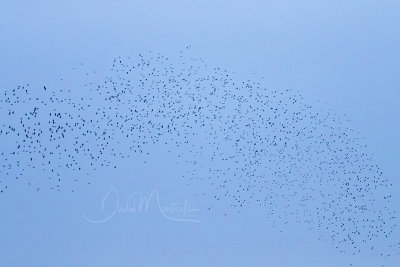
x,y
250,145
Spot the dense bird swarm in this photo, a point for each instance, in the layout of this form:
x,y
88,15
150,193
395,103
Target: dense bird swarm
x,y
250,145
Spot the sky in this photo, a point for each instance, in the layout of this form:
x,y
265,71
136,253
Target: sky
x,y
342,55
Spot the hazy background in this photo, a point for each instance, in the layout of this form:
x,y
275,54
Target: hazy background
x,y
346,53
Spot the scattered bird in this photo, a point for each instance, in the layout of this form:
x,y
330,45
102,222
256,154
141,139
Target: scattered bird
x,y
248,144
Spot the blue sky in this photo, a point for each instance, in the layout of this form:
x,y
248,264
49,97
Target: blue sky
x,y
343,53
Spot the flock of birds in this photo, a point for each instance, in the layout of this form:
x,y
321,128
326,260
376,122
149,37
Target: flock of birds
x,y
248,144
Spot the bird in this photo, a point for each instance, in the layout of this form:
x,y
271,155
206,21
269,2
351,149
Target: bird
x,y
245,143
